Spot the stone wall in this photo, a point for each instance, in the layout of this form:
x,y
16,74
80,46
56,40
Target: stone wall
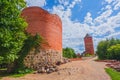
x,y
43,58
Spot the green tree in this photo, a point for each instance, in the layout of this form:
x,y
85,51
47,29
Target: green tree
x,y
12,29
114,52
69,53
103,46
102,49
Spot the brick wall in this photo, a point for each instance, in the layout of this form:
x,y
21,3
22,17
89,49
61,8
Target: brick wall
x,y
48,25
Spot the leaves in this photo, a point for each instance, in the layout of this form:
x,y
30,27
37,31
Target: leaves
x,y
106,48
12,29
69,53
114,52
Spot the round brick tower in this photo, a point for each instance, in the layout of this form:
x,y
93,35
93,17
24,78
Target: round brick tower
x,y
49,26
89,48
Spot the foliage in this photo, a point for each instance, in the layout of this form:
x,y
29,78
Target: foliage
x,y
102,49
113,73
88,55
103,46
114,52
32,42
69,53
12,28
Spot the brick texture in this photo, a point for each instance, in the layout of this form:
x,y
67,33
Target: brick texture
x,y
89,48
48,25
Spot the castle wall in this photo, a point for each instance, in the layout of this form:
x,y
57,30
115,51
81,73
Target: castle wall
x,y
49,26
42,59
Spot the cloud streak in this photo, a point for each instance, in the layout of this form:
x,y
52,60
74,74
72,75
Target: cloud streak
x,y
40,3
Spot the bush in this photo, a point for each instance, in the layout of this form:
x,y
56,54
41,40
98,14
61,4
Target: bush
x,y
103,46
88,55
30,43
69,53
114,52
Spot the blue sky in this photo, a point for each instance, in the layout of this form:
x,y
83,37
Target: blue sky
x,y
99,18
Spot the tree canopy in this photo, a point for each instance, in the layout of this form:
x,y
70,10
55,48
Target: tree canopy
x,y
12,29
69,53
107,48
114,52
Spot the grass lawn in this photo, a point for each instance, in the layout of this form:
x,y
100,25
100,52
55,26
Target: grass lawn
x,y
10,75
113,73
3,73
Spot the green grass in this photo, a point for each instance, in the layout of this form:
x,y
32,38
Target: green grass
x,y
11,75
5,74
113,73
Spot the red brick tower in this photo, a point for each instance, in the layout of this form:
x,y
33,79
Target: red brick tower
x,y
49,26
89,48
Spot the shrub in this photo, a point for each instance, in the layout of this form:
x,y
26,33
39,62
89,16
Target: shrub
x,y
30,43
103,46
114,52
87,55
69,53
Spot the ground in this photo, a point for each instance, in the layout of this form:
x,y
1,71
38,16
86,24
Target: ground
x,y
86,69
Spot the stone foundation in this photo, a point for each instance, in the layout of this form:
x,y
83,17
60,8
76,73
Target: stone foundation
x,y
43,58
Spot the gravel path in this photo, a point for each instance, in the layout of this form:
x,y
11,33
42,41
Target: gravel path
x,y
75,70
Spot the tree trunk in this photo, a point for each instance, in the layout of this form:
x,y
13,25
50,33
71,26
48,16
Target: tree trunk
x,y
11,68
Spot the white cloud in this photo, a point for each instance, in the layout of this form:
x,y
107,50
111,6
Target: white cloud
x,y
108,7
73,3
109,1
113,35
103,17
64,2
40,3
116,4
88,19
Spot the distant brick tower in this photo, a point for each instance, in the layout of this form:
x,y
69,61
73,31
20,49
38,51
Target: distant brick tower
x,y
89,48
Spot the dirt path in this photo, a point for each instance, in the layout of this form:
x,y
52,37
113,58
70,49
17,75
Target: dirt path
x,y
75,70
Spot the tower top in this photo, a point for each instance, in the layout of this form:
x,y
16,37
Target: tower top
x,y
87,35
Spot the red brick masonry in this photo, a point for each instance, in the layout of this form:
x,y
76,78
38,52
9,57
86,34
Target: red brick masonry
x,y
49,26
89,48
